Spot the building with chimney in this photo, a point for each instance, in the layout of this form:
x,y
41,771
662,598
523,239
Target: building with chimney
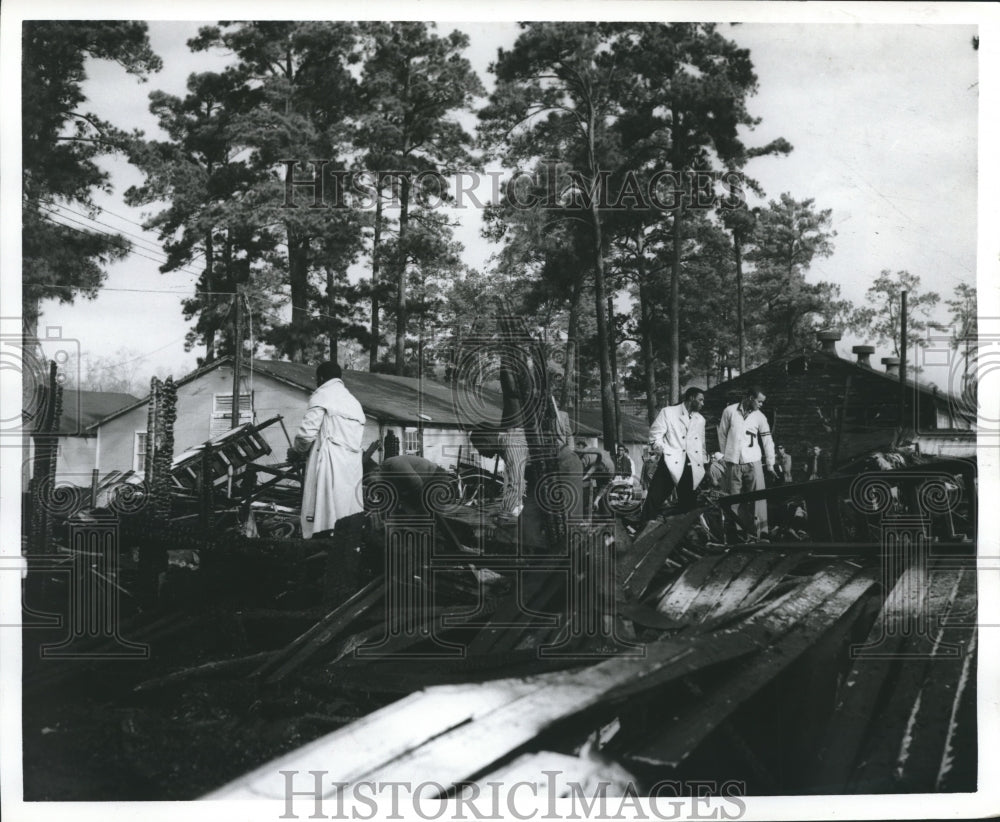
x,y
848,407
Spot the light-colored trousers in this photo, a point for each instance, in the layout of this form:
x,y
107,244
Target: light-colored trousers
x,y
515,459
742,478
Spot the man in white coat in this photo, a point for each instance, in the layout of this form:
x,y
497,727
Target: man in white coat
x,y
331,433
678,435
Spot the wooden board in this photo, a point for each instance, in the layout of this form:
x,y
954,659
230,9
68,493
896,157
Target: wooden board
x,y
651,550
449,733
797,621
907,748
852,719
556,775
307,644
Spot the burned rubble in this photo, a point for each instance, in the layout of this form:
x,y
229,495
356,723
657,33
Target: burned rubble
x,y
836,654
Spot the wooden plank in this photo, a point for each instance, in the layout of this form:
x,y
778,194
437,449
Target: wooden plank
x,y
723,576
351,752
560,776
764,567
960,762
683,590
852,719
933,728
662,544
761,627
523,609
777,574
630,554
449,733
888,753
473,747
238,666
300,649
804,618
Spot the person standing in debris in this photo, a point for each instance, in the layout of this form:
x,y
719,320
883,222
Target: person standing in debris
x,y
677,435
783,465
390,445
817,463
511,439
410,476
745,436
716,469
330,433
623,465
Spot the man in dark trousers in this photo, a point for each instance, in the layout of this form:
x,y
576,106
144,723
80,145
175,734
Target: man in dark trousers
x,y
678,436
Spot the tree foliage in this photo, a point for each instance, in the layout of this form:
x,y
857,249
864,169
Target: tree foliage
x,y
784,308
880,317
413,83
61,146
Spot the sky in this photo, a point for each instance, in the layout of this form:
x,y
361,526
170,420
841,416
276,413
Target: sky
x,y
883,120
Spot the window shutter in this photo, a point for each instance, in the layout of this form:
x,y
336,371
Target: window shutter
x,y
139,452
222,413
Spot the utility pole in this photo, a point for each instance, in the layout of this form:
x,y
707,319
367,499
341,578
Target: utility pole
x,y
902,360
237,355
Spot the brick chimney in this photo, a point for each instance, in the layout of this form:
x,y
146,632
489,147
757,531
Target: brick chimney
x,y
891,366
828,339
864,352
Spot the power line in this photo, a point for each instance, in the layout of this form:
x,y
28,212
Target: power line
x,y
104,210
124,248
120,217
154,351
151,246
176,291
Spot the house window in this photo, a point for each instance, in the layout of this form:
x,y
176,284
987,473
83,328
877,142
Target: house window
x,y
222,409
139,452
412,441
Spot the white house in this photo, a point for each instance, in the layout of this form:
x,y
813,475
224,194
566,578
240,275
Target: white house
x,y
76,439
430,418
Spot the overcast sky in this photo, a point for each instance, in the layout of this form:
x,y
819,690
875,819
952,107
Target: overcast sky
x,y
883,120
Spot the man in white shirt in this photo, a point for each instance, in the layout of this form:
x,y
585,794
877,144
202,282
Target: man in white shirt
x,y
330,433
744,434
678,436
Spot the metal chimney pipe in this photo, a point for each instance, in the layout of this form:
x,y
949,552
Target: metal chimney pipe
x,y
828,339
891,366
864,352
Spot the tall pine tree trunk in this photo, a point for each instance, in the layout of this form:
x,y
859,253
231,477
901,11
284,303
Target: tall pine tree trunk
x,y
209,287
603,343
298,280
404,218
569,390
675,310
331,310
646,331
613,344
740,328
376,263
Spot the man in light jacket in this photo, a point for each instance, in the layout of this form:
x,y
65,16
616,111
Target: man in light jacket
x,y
331,433
744,437
678,435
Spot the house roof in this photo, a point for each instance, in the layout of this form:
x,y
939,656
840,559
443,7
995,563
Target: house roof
x,y
397,399
385,397
749,377
634,429
82,409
